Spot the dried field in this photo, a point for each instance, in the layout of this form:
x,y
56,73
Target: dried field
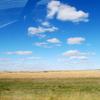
x,y
61,85
51,74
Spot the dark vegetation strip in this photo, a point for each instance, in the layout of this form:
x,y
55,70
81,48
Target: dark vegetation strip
x,y
68,85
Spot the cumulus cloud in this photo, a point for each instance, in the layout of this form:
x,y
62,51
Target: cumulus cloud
x,y
19,52
54,40
42,44
53,8
75,40
50,43
71,53
75,54
38,30
46,24
65,12
79,57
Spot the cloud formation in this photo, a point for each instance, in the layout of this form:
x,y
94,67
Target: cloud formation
x,y
38,30
76,54
75,40
46,24
65,12
50,43
53,40
19,52
42,44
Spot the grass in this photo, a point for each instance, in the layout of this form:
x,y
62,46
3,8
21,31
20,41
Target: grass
x,y
50,89
51,74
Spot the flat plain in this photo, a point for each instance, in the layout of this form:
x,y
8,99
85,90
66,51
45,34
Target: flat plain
x,y
53,85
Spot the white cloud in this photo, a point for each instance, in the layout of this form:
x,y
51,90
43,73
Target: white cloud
x,y
41,35
65,12
53,8
54,43
19,53
79,57
46,24
75,54
42,44
53,40
71,53
75,40
38,30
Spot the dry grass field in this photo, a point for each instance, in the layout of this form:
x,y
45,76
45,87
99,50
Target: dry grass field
x,y
52,74
54,85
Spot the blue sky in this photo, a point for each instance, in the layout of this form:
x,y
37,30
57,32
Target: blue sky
x,y
49,35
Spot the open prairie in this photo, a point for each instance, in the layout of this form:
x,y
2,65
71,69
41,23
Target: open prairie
x,y
51,74
60,85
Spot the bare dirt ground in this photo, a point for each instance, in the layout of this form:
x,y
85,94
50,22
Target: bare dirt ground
x,y
51,74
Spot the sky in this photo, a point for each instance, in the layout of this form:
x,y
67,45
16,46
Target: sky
x,y
38,35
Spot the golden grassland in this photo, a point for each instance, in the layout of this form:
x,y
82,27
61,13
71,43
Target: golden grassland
x,y
52,74
52,85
